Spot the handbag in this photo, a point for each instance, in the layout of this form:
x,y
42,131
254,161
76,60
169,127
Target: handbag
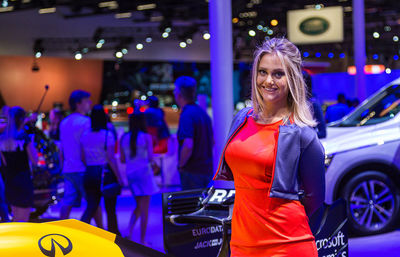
x,y
110,185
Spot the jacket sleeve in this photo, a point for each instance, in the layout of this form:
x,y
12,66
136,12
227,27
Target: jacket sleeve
x,y
312,173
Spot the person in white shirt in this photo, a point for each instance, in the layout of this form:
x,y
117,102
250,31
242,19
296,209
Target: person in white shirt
x,y
136,149
71,129
97,148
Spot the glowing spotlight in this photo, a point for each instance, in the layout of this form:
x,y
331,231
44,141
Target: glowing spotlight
x,y
165,34
331,55
252,33
274,22
388,70
78,56
124,50
306,54
182,44
189,41
206,35
235,20
376,34
38,54
148,39
119,54
139,46
395,38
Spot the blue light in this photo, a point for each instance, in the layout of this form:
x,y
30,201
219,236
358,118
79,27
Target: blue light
x,y
331,55
317,54
342,55
375,57
306,54
395,57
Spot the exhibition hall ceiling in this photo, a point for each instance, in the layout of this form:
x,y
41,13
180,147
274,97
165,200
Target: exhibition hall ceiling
x,y
175,29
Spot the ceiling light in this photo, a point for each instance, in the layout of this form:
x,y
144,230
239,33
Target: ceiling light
x,y
306,54
395,38
146,7
317,54
123,15
388,70
206,35
189,41
252,33
165,34
148,39
38,54
4,3
270,32
109,5
260,27
139,46
235,20
342,55
395,57
182,44
274,22
7,9
387,28
265,29
78,56
375,57
119,54
124,50
376,35
98,45
47,10
331,55
168,29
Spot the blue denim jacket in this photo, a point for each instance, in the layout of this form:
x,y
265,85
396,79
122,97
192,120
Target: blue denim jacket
x,y
299,172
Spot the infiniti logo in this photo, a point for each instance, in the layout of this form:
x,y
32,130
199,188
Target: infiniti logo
x,y
51,240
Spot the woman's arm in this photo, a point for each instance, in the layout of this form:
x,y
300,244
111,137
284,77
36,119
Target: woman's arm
x,y
32,153
122,156
149,147
312,175
111,160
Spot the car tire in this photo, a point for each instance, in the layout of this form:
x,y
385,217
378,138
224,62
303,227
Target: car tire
x,y
373,203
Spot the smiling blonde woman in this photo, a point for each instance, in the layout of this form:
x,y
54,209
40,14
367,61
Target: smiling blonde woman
x,y
275,159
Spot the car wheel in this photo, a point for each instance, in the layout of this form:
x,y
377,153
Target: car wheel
x,y
372,203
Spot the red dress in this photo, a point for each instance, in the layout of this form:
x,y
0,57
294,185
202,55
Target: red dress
x,y
262,225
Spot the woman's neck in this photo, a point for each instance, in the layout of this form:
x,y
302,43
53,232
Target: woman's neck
x,y
272,115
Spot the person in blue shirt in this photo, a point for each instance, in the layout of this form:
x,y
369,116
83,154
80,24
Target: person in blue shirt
x,y
195,136
337,111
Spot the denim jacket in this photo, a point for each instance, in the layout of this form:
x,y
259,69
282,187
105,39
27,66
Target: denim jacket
x,y
299,172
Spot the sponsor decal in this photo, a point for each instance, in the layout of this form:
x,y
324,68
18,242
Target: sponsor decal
x,y
335,243
208,243
53,241
220,195
314,26
207,230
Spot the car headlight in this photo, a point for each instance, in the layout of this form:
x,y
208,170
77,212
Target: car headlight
x,y
328,159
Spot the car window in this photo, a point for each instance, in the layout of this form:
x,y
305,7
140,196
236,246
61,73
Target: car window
x,y
380,108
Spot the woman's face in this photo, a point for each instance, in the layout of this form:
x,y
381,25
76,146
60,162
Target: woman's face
x,y
272,81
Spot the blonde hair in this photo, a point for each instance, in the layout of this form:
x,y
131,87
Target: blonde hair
x,y
290,57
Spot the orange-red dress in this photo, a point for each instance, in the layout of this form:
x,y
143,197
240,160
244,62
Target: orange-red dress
x,y
262,225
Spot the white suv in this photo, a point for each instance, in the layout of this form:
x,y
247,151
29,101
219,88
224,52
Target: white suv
x,y
363,162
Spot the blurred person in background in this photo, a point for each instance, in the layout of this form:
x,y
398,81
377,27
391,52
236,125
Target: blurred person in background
x,y
136,149
337,111
195,136
316,107
55,118
71,129
156,126
3,203
97,148
17,151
